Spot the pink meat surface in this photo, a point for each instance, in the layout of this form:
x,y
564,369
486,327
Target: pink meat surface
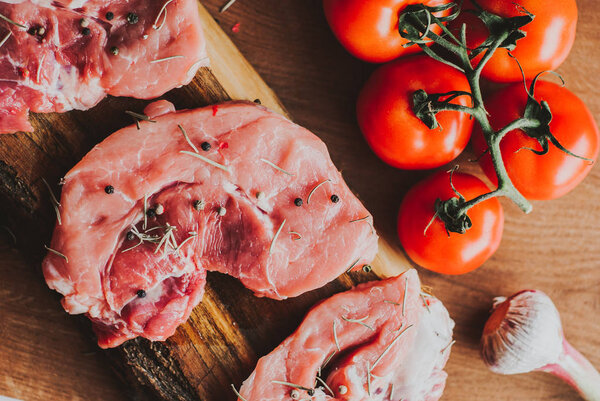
x,y
383,340
238,215
55,62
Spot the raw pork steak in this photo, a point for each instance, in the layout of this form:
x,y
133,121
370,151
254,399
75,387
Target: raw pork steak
x,y
382,340
64,55
250,194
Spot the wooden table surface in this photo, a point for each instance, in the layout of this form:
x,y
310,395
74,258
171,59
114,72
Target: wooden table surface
x,y
45,356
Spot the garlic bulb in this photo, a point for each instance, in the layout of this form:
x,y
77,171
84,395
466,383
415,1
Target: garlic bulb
x,y
524,333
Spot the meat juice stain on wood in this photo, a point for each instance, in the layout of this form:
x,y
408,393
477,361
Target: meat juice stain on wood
x,y
230,328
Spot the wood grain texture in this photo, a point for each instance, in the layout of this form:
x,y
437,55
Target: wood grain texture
x,y
555,249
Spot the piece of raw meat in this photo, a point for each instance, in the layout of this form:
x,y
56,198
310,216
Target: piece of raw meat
x,y
250,194
383,340
70,54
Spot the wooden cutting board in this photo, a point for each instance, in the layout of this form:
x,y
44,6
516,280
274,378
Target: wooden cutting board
x,y
231,328
555,249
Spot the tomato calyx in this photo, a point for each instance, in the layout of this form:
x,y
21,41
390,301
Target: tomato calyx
x,y
450,213
504,30
426,106
540,111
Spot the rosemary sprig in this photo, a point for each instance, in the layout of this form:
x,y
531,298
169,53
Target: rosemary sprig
x,y
389,347
206,159
276,167
160,60
359,321
275,237
314,189
168,239
226,6
5,38
5,18
187,138
335,337
54,251
162,10
238,394
54,201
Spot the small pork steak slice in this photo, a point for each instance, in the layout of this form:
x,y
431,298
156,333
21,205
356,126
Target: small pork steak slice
x,y
57,57
147,212
383,340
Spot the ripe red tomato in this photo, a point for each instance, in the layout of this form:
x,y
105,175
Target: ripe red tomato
x,y
395,134
548,42
368,29
555,173
434,249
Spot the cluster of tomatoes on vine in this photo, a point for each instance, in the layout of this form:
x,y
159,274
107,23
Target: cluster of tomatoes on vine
x,y
421,109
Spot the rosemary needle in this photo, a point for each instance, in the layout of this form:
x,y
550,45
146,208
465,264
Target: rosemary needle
x,y
5,38
325,385
335,337
390,345
352,265
275,237
162,10
359,321
276,167
5,18
425,302
314,189
160,60
404,300
299,387
238,394
55,202
361,219
57,253
295,233
187,138
39,70
139,116
226,6
207,160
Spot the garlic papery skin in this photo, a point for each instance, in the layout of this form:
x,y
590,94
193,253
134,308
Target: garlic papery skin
x,y
523,333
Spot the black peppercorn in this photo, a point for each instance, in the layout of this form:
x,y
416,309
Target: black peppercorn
x,y
110,15
85,31
199,205
367,268
298,202
109,189
141,293
151,213
130,236
335,198
132,18
114,50
205,146
257,101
